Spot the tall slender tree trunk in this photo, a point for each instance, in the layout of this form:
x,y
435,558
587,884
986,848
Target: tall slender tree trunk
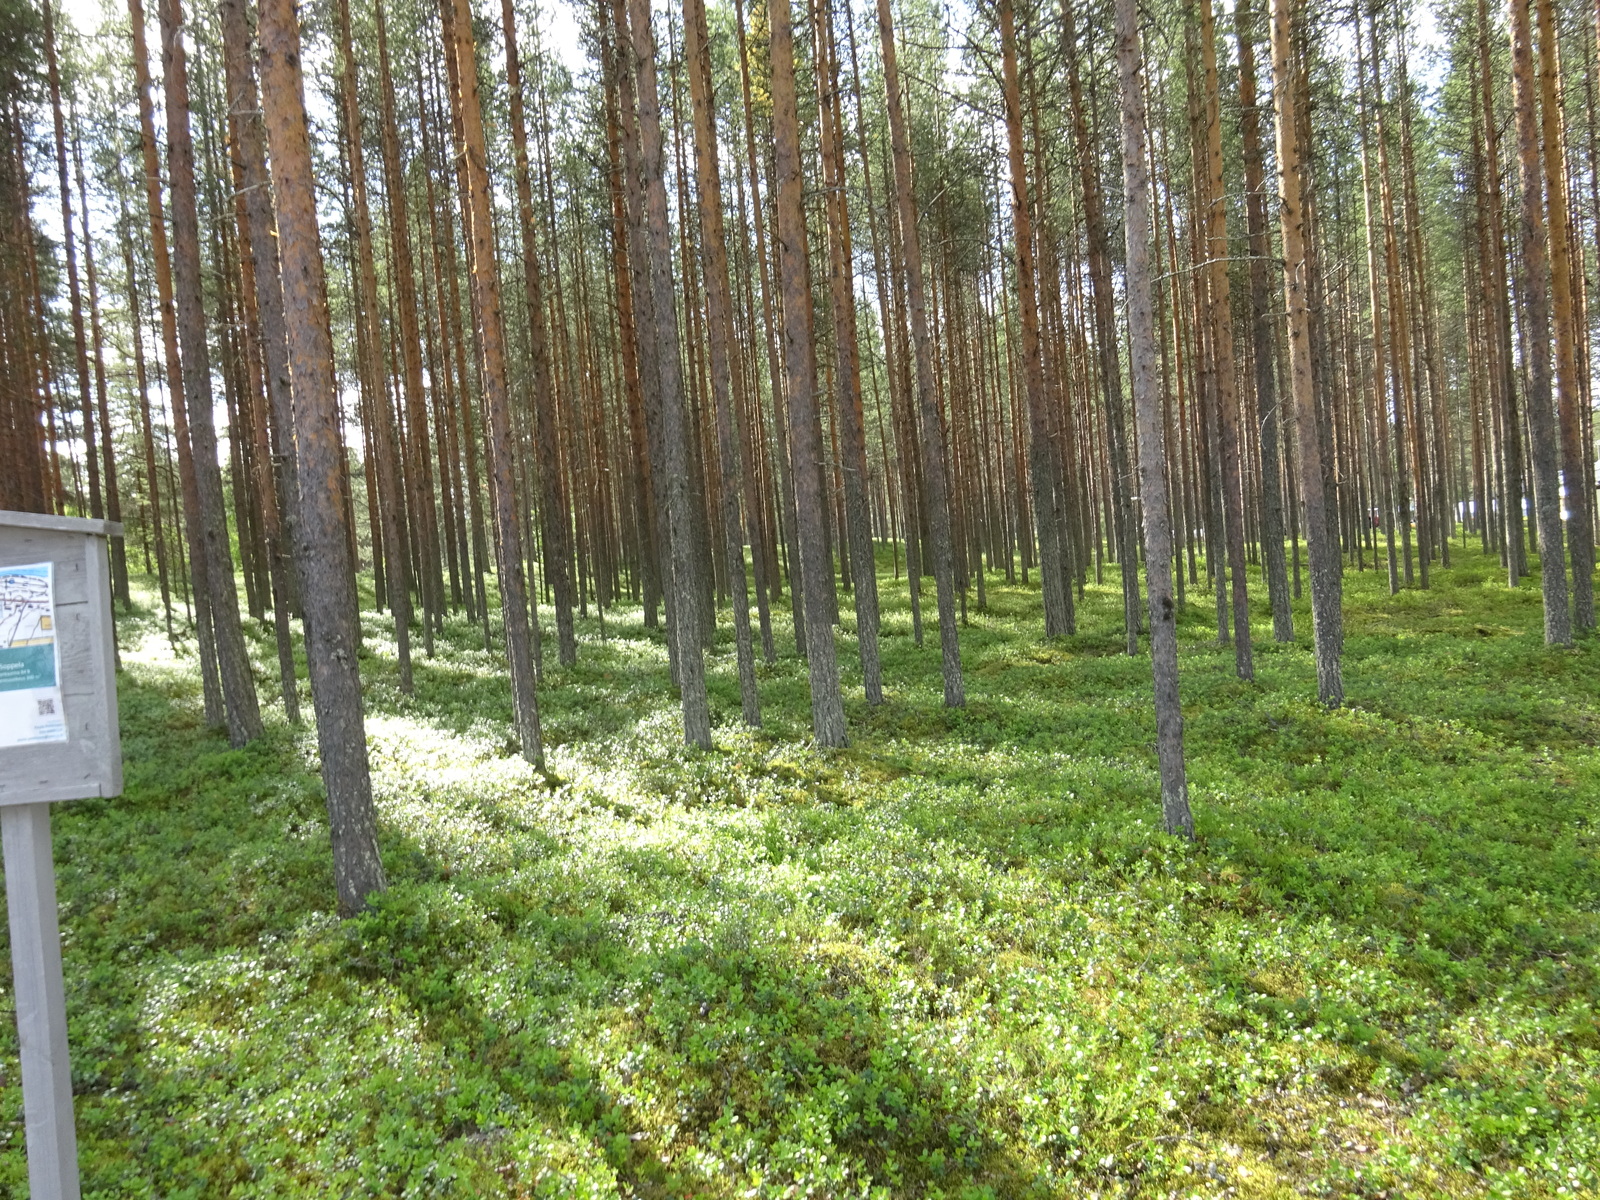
x,y
492,360
373,375
1261,328
1105,338
244,108
1054,575
1536,325
1579,493
785,498
210,684
557,523
684,613
405,301
1151,431
805,453
1498,296
69,244
936,489
850,422
725,380
142,386
243,713
1327,618
327,570
1221,318
106,446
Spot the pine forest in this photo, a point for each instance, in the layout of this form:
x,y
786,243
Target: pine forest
x,y
820,598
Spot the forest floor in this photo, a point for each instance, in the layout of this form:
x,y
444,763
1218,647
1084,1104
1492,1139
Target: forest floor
x,y
957,959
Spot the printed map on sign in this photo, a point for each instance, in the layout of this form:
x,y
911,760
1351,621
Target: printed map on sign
x,y
30,679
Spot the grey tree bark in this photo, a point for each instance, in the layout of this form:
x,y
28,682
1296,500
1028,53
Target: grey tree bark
x,y
1151,427
1536,320
685,613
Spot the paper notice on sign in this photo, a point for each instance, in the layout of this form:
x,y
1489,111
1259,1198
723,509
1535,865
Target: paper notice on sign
x,y
30,667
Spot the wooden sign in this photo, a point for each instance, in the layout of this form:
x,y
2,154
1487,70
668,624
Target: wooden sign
x,y
58,741
58,685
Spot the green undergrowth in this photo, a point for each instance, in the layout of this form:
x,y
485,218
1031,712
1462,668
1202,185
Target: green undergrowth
x,y
957,959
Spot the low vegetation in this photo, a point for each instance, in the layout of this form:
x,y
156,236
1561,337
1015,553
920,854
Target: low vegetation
x,y
957,959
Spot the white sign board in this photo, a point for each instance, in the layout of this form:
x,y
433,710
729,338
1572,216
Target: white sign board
x,y
58,680
30,667
58,741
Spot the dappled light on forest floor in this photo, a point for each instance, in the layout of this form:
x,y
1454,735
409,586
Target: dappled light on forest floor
x,y
956,958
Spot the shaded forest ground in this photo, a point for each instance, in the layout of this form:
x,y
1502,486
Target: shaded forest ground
x,y
956,959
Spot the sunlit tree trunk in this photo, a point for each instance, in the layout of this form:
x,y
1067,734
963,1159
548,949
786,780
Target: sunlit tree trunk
x,y
816,575
1142,354
497,402
725,380
1055,580
935,486
1536,323
327,572
1327,619
557,522
244,108
1579,492
242,711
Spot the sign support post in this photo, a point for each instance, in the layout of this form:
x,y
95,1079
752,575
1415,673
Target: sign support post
x,y
41,1002
58,741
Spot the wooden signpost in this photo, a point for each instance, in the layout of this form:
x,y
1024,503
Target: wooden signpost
x,y
58,741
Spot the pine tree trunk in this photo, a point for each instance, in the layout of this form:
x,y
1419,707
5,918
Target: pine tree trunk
x,y
242,711
557,523
935,488
1105,340
1054,575
1536,325
1261,329
261,256
850,422
1151,433
106,447
1327,619
1221,316
816,575
784,509
157,525
1498,294
69,242
1579,491
725,380
403,287
326,568
673,463
373,376
491,344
